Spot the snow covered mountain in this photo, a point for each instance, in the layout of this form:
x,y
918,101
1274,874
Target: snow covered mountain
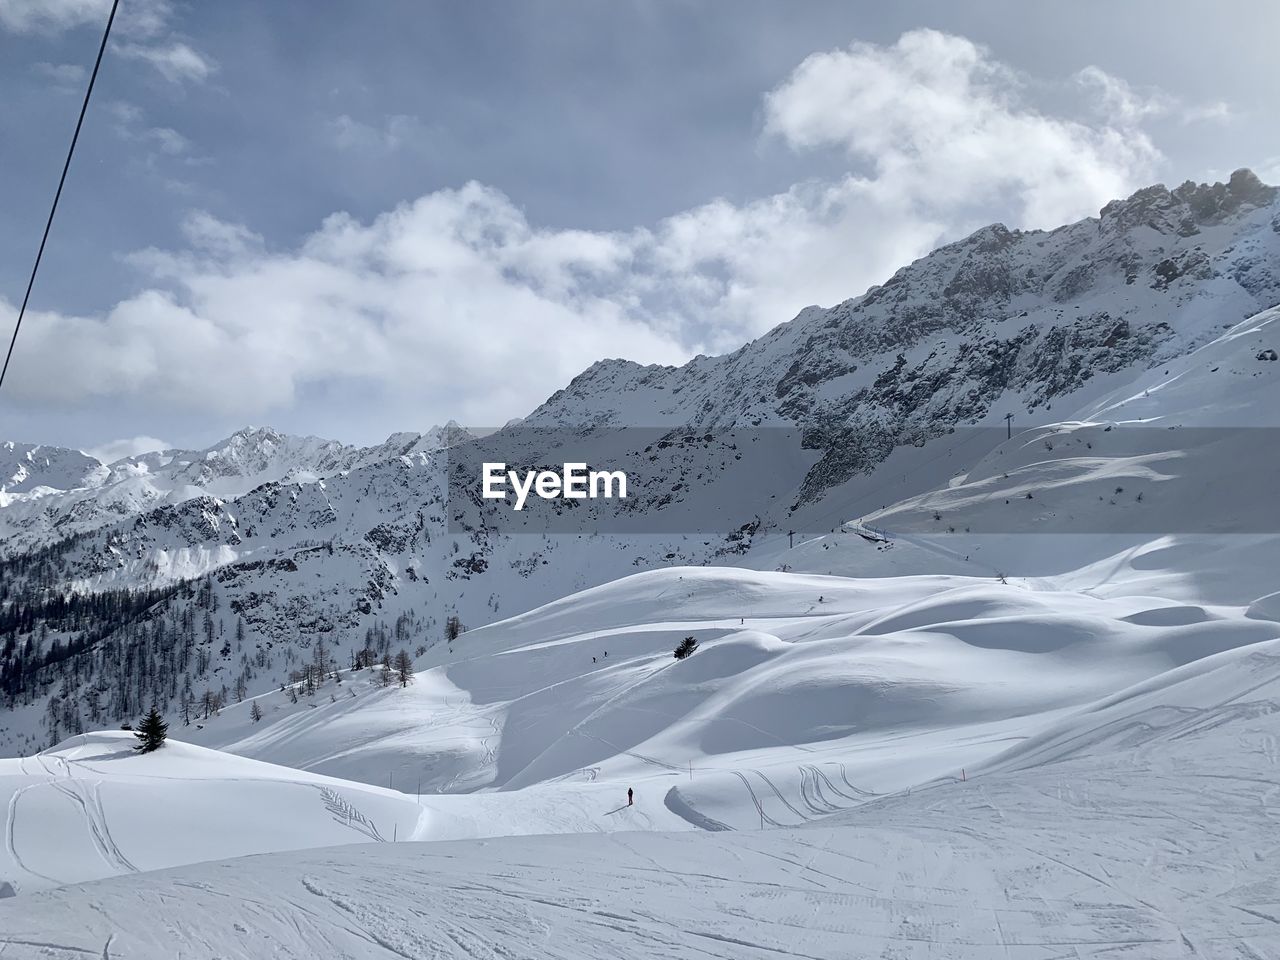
x,y
1004,320
52,492
291,541
954,694
26,466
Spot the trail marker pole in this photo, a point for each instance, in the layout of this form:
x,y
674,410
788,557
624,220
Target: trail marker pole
x,y
1008,424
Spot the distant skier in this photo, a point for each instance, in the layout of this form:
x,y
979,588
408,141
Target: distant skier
x,y
630,797
593,659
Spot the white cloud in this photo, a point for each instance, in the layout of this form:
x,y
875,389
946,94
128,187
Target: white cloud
x,y
455,305
1117,99
127,447
453,300
130,124
176,61
50,16
1122,103
942,124
141,31
135,18
126,114
61,76
387,136
169,141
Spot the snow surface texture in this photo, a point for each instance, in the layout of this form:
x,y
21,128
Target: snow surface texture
x,y
1140,827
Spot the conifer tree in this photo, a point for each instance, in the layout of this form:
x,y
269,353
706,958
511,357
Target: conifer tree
x,y
151,732
404,668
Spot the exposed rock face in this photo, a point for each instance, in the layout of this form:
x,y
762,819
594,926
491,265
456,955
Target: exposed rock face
x,y
1002,321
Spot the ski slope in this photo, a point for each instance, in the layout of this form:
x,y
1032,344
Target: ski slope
x,y
808,696
1076,760
1141,827
899,680
94,808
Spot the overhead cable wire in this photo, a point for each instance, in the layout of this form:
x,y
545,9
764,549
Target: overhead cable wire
x,y
84,107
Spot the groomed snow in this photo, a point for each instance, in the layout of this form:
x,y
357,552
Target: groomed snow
x,y
1142,827
943,767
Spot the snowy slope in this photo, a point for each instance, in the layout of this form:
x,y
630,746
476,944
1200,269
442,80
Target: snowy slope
x,y
384,543
1127,496
894,681
94,808
1165,436
1150,841
808,696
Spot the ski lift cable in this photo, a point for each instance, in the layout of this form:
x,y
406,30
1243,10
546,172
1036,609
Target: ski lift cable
x,y
61,181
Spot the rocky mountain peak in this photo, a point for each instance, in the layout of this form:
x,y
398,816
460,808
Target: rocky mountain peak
x,y
25,466
1187,208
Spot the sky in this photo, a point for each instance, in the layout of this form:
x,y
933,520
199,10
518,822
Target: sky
x,y
353,219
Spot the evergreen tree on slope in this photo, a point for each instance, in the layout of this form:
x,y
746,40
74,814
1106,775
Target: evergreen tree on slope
x,y
151,732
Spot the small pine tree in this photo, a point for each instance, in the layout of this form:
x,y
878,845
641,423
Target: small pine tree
x,y
686,648
453,628
255,712
404,668
151,732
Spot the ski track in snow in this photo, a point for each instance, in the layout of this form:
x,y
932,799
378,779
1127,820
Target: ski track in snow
x,y
88,800
10,835
755,800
